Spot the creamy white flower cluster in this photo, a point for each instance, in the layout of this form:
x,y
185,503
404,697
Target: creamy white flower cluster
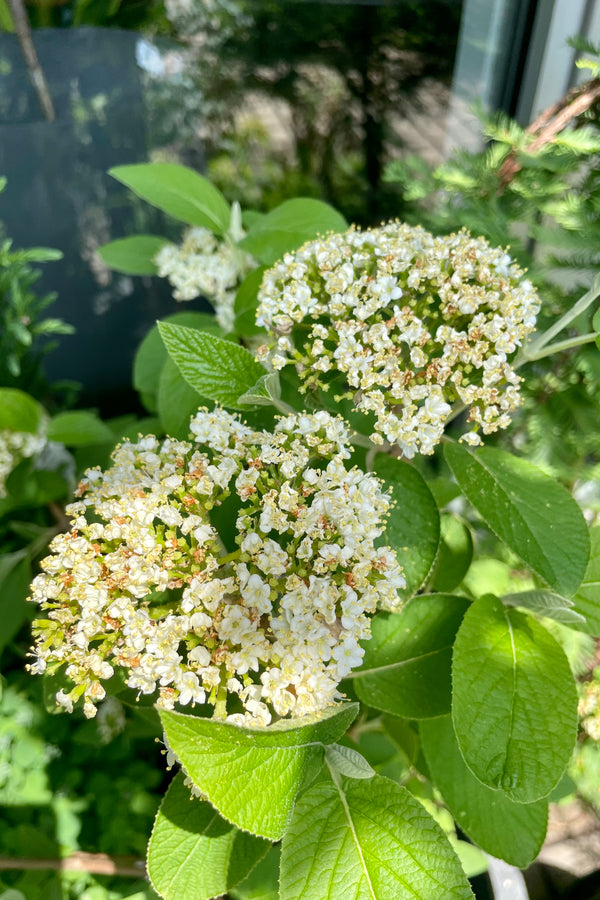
x,y
414,322
204,265
589,706
143,580
14,447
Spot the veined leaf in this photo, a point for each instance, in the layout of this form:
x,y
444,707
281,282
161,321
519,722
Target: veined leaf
x,y
348,761
546,603
264,767
217,369
246,301
193,853
179,191
290,225
514,702
533,514
263,393
413,526
133,255
367,840
587,598
407,662
454,555
511,831
177,402
152,354
263,882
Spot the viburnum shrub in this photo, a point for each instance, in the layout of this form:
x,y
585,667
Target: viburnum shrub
x,y
278,568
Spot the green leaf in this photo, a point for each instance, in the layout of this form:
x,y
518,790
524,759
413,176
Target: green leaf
x,y
263,881
42,254
246,301
533,514
546,603
19,411
177,402
514,702
193,853
587,598
6,24
133,255
152,354
15,578
180,192
472,860
290,225
413,527
79,428
367,840
511,831
404,736
266,389
264,767
217,369
455,554
348,762
406,666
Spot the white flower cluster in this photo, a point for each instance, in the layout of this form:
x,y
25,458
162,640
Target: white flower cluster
x,y
204,265
414,322
14,447
589,706
145,582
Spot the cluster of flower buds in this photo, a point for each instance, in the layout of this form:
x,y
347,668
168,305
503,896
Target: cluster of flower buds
x,y
14,447
265,621
589,706
203,265
414,323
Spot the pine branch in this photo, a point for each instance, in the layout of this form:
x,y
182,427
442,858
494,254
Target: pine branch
x,y
550,123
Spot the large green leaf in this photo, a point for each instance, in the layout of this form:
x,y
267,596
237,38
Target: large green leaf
x,y
152,354
263,882
217,369
79,428
406,666
587,598
454,556
367,840
533,514
290,225
252,775
19,411
133,255
413,527
178,191
15,578
246,301
193,853
177,402
514,702
511,831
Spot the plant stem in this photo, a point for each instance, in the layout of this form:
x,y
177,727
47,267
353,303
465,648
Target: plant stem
x,y
95,863
567,344
30,56
530,351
